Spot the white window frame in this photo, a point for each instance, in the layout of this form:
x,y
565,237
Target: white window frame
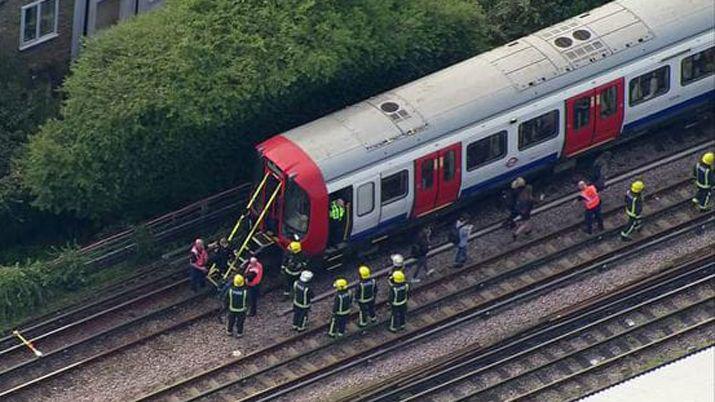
x,y
38,39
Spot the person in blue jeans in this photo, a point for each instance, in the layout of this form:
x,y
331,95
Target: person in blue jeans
x,y
463,229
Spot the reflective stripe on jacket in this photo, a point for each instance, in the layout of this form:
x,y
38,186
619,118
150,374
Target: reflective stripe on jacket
x,y
366,290
336,211
703,176
398,293
293,264
590,197
302,294
343,300
237,299
634,205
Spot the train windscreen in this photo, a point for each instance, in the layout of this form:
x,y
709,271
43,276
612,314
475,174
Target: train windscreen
x,y
296,214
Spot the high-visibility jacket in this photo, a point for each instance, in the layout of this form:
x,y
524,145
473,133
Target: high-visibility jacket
x,y
337,211
367,288
293,264
343,300
302,294
198,258
634,205
237,299
590,197
257,274
703,176
399,293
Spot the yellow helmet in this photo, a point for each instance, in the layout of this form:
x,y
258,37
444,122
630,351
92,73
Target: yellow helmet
x,y
238,280
295,247
637,186
398,276
709,158
364,271
340,284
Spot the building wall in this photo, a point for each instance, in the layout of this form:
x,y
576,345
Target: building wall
x,y
52,56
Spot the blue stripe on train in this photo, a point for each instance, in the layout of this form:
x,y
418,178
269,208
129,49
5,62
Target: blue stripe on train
x,y
495,181
669,112
380,228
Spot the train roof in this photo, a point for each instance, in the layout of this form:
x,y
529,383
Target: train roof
x,y
475,89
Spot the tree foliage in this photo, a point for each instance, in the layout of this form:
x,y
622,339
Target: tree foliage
x,y
166,107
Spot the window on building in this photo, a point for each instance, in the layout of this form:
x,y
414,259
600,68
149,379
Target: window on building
x,y
581,112
649,85
608,100
486,150
697,66
394,187
38,22
450,165
365,199
538,129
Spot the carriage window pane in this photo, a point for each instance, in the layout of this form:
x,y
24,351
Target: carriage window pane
x,y
697,66
486,150
393,187
365,199
581,112
449,165
609,102
649,85
538,129
427,173
296,211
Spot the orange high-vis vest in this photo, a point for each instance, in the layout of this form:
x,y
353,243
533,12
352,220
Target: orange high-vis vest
x,y
590,197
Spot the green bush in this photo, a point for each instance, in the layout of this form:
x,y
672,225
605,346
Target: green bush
x,y
26,287
165,108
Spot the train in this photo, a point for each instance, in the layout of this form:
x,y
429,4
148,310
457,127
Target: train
x,y
405,155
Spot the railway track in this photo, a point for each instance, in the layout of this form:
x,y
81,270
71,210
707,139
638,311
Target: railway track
x,y
503,279
13,366
536,363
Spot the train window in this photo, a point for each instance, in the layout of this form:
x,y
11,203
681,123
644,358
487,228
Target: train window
x,y
427,173
581,112
649,85
296,213
697,66
365,199
394,187
486,150
538,129
449,165
608,100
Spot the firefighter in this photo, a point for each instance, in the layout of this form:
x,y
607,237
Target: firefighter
x,y
704,179
592,205
634,208
341,308
293,264
302,297
399,292
398,263
366,292
236,304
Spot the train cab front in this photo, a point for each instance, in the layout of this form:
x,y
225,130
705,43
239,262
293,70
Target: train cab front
x,y
290,196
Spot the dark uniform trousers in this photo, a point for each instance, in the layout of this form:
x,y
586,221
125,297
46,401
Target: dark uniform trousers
x,y
300,317
236,303
341,310
634,207
594,214
398,303
253,293
367,289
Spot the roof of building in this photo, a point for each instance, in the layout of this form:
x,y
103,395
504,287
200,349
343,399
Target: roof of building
x,y
691,379
475,89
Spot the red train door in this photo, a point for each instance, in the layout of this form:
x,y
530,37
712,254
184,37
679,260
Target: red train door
x,y
438,177
593,117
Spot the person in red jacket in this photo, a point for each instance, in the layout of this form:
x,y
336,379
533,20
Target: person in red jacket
x,y
592,204
254,274
198,258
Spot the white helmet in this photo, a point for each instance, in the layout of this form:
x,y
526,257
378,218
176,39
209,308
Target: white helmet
x,y
306,276
397,260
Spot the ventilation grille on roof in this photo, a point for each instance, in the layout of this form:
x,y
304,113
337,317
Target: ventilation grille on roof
x,y
394,111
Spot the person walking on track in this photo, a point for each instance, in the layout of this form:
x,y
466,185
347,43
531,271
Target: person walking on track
x,y
634,208
592,205
704,178
420,250
236,301
366,292
341,309
293,264
399,293
254,275
302,299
